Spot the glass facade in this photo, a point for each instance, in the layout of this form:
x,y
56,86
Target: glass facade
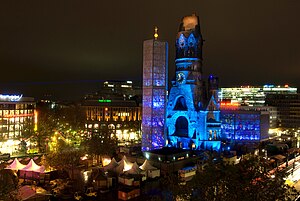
x,y
155,71
253,96
244,125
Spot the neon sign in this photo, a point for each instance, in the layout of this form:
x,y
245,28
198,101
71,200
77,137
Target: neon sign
x,y
10,97
104,101
229,104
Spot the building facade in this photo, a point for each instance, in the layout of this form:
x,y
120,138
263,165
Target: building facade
x,y
283,102
155,85
288,107
253,95
226,105
18,120
114,111
244,124
193,115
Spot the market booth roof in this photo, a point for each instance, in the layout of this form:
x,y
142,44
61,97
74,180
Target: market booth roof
x,y
16,165
32,166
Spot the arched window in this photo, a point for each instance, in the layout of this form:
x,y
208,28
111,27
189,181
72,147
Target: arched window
x,y
111,126
180,104
182,127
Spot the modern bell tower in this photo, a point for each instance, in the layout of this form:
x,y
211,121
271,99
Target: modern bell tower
x,y
155,85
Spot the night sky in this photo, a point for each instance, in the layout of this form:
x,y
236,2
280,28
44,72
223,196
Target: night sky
x,y
65,48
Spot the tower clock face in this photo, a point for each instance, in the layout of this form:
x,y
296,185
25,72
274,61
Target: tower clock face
x,y
180,77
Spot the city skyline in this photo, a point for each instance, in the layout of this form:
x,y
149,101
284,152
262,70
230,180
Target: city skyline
x,y
67,48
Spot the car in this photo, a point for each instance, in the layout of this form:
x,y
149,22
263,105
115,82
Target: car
x,y
90,192
77,196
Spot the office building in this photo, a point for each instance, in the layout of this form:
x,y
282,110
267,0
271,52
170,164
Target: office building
x,y
18,121
253,95
288,107
115,110
244,124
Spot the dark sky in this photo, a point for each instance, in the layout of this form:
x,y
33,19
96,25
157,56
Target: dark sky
x,y
65,48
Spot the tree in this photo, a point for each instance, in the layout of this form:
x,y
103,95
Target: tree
x,y
8,185
61,119
67,158
23,147
46,124
100,145
247,180
72,116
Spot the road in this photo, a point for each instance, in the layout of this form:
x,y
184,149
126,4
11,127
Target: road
x,y
294,175
297,185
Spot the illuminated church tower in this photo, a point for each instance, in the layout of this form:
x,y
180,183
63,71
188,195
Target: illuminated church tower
x,y
192,117
155,84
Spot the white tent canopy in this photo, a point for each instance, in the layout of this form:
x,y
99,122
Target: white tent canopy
x,y
147,166
15,165
32,166
122,160
112,165
134,169
123,165
151,171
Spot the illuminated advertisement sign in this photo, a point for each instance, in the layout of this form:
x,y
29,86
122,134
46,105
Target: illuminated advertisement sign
x,y
10,97
17,115
104,101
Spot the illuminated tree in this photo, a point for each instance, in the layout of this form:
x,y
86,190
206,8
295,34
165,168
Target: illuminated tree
x,y
60,119
46,125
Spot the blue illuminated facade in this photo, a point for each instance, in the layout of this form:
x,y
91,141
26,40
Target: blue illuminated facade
x,y
155,84
244,125
190,117
193,114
